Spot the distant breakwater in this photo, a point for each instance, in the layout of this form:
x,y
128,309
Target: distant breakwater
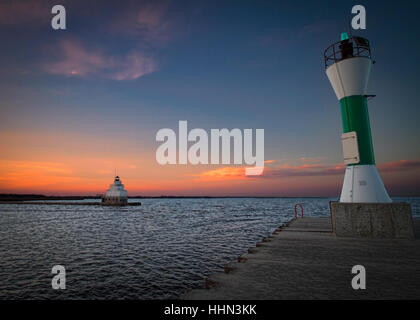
x,y
132,204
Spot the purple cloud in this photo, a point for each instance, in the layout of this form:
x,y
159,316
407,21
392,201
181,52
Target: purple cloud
x,y
314,169
78,61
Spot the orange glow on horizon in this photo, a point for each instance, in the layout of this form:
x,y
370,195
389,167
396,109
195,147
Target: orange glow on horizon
x,y
79,165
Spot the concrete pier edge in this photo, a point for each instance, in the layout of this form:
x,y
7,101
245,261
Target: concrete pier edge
x,y
303,259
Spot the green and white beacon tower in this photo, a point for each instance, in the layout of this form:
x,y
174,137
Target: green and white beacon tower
x,y
348,64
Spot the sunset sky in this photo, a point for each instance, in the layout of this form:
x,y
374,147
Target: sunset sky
x,y
77,104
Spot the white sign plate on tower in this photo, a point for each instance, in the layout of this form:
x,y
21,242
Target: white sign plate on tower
x,y
350,147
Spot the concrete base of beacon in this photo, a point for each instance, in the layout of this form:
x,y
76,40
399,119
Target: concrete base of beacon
x,y
372,220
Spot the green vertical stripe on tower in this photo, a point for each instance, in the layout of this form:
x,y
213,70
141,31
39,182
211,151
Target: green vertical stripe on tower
x,y
355,117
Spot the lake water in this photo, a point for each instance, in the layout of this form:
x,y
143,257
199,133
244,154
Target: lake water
x,y
155,251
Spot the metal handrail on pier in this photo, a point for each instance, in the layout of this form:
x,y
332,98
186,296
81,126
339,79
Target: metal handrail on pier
x,y
301,210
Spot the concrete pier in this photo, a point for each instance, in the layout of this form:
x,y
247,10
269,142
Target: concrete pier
x,y
305,260
372,220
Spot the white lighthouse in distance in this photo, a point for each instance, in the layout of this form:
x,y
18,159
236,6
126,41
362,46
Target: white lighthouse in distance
x,y
115,195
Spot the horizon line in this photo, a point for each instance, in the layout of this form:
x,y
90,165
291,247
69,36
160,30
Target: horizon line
x,y
24,195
